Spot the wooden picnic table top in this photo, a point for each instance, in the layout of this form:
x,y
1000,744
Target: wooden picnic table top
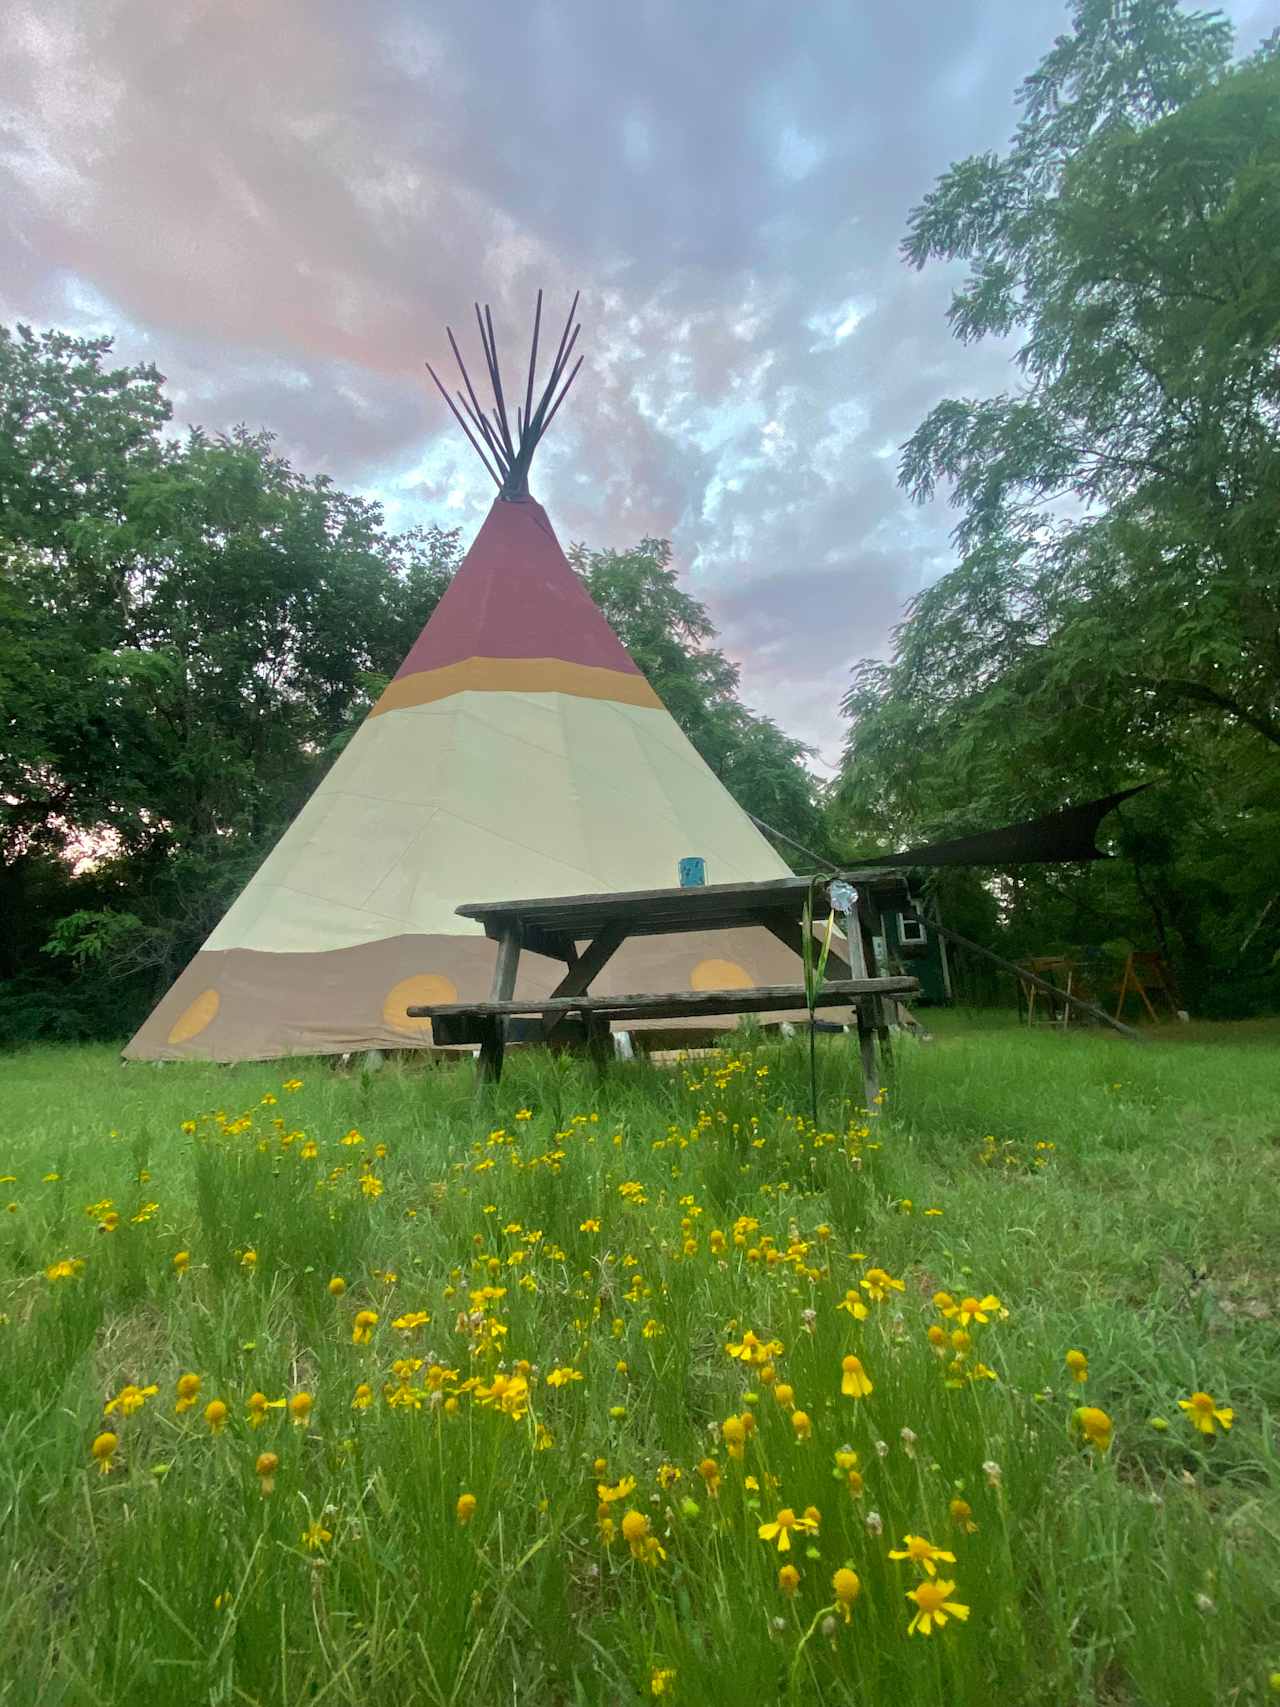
x,y
561,919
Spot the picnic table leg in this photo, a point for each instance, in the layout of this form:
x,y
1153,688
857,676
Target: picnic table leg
x,y
864,1010
493,1046
867,1052
599,1043
879,1005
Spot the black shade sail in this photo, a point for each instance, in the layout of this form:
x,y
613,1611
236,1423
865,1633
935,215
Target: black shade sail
x,y
1057,837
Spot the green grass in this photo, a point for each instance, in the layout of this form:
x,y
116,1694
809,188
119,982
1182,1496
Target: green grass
x,y
1120,1200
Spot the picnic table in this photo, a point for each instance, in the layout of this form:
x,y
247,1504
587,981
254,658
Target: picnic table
x,y
584,932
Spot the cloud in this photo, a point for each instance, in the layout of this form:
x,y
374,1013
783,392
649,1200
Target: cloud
x,y
282,206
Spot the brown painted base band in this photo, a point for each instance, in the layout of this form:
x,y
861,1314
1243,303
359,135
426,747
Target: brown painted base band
x,y
244,1005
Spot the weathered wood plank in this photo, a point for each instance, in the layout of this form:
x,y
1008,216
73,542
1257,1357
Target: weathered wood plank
x,y
557,920
780,998
582,971
493,1039
507,964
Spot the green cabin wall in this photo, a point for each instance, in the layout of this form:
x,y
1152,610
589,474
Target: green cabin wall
x,y
926,961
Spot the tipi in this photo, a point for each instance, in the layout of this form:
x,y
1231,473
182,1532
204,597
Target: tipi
x,y
517,752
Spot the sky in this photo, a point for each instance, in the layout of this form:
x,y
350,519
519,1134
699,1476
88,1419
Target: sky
x,y
283,202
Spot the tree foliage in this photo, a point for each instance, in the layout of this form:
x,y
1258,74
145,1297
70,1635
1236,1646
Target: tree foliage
x,y
1115,611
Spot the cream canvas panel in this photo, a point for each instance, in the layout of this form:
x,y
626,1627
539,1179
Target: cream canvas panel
x,y
486,796
686,811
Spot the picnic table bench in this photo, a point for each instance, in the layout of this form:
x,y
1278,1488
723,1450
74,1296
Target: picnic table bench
x,y
584,932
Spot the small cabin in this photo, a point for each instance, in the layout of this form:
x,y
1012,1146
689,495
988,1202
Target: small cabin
x,y
905,939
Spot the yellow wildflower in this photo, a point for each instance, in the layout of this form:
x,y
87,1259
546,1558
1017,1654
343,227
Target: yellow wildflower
x,y
788,1580
854,1305
215,1414
315,1535
337,1286
848,1587
780,1529
1078,1364
933,1606
258,1405
265,1469
733,1432
188,1393
754,1351
408,1323
660,1679
709,1470
465,1509
300,1409
802,1424
363,1398
853,1381
65,1269
877,1285
643,1545
104,1449
181,1261
962,1516
129,1399
1094,1426
922,1553
561,1377
607,1495
508,1393
362,1328
1204,1411
975,1310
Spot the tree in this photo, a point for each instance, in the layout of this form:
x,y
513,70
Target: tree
x,y
1116,608
1121,510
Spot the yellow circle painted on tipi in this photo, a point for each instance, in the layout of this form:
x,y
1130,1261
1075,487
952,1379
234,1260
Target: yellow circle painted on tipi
x,y
193,1019
720,975
415,992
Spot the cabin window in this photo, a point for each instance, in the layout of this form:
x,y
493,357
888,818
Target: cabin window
x,y
910,928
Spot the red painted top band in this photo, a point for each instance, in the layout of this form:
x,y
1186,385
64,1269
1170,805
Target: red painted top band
x,y
515,596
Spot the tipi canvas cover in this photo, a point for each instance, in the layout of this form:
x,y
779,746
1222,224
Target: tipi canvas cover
x,y
518,752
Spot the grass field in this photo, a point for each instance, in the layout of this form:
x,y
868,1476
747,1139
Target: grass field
x,y
490,1402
